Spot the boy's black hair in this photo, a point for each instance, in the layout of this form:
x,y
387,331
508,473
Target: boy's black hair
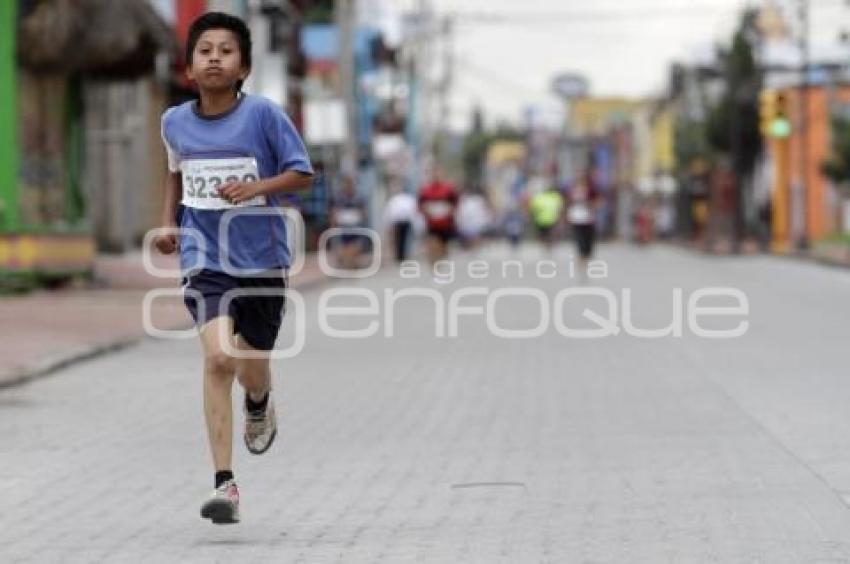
x,y
220,20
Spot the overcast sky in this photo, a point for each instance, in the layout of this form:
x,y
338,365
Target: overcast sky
x,y
507,51
623,47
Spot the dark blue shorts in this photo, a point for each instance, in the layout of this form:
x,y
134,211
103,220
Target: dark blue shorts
x,y
351,238
444,235
256,317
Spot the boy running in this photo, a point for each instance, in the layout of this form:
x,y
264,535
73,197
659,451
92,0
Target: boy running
x,y
230,154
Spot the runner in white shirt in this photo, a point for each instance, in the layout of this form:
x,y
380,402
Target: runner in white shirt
x,y
400,214
472,218
583,203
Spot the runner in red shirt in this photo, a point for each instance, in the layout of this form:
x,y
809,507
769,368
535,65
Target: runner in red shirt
x,y
437,203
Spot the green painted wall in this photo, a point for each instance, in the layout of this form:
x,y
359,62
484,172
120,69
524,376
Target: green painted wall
x,y
9,209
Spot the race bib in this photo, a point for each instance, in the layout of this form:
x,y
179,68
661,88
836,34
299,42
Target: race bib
x,y
203,177
438,209
579,213
349,217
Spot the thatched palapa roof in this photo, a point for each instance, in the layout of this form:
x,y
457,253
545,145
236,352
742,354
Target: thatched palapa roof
x,y
116,38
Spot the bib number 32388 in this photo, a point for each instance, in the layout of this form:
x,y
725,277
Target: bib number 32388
x,y
202,179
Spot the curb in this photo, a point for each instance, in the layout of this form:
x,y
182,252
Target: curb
x,y
46,367
825,261
808,256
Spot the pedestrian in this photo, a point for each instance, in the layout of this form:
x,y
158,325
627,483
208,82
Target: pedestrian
x,y
583,204
438,202
513,224
472,217
230,154
644,222
664,218
348,210
399,217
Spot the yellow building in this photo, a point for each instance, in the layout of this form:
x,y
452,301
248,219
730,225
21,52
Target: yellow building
x,y
503,166
595,116
663,141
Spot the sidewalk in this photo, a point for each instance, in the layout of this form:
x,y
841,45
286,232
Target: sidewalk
x,y
47,330
828,253
833,254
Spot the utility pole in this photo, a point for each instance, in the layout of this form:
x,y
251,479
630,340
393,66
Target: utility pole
x,y
803,240
344,17
426,17
295,63
735,86
443,122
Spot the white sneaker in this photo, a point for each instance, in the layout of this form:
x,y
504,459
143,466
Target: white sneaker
x,y
223,505
260,427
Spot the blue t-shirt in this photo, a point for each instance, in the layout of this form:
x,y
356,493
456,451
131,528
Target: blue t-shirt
x,y
255,128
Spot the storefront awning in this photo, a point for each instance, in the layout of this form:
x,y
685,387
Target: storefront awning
x,y
108,38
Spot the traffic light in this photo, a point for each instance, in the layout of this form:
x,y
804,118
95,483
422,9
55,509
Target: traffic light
x,y
780,126
773,113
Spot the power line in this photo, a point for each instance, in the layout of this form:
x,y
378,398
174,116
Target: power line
x,y
565,17
496,78
561,17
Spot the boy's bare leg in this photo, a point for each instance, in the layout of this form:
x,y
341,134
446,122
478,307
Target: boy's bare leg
x,y
219,372
254,374
346,256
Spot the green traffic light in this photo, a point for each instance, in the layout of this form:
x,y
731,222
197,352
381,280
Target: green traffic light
x,y
780,128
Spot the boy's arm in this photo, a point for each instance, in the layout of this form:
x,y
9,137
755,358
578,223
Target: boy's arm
x,y
288,181
173,179
173,193
167,242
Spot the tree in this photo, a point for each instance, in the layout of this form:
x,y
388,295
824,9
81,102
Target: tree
x,y
477,143
837,166
733,124
691,145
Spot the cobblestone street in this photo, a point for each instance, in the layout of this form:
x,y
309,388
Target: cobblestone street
x,y
478,448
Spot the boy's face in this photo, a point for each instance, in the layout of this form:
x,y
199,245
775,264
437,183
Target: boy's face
x,y
216,61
